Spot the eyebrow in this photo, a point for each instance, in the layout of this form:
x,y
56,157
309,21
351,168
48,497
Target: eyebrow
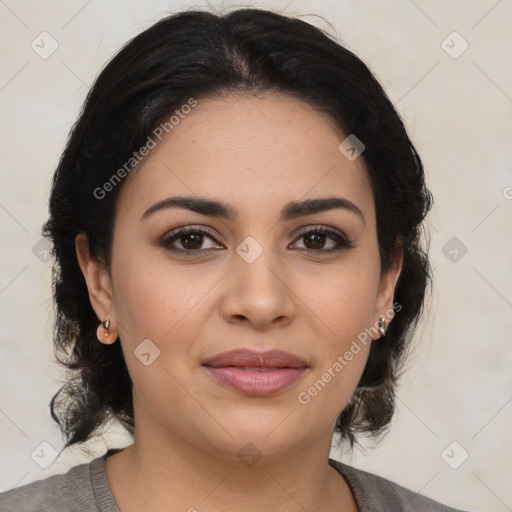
x,y
290,211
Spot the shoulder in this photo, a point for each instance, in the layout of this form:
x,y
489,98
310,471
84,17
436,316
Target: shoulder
x,y
373,492
75,490
55,493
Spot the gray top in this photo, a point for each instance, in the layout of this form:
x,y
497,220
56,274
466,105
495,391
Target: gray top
x,y
84,488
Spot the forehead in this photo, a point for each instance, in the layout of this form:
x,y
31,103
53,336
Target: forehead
x,y
248,149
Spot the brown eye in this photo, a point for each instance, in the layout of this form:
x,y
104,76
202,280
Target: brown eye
x,y
322,240
319,240
189,240
314,241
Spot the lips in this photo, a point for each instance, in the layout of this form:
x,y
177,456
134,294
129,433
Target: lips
x,y
256,373
252,359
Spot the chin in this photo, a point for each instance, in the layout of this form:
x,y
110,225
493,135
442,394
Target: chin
x,y
265,434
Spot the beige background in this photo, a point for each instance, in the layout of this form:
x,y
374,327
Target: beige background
x,y
458,110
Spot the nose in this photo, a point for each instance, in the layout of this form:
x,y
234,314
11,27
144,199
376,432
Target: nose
x,y
258,294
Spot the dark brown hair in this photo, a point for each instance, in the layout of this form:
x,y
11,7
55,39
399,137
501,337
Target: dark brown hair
x,y
199,54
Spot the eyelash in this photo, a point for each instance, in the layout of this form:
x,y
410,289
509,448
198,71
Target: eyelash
x,y
341,240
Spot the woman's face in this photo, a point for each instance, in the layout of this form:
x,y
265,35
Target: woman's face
x,y
269,277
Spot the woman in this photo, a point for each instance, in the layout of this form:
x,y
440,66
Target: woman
x,y
236,224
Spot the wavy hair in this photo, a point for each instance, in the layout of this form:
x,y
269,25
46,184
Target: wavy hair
x,y
200,54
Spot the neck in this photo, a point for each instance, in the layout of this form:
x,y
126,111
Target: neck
x,y
160,474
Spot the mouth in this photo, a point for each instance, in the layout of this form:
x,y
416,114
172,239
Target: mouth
x,y
256,373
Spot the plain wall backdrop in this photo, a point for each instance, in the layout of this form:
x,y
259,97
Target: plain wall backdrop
x,y
446,67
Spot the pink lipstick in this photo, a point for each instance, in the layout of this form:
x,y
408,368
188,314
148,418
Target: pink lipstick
x,y
256,373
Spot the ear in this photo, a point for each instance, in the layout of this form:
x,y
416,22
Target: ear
x,y
387,286
99,284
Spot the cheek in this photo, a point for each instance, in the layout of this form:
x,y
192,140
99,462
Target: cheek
x,y
164,303
150,298
156,303
344,301
140,310
342,307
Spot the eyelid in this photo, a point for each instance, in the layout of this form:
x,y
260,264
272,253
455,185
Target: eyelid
x,y
322,229
183,230
335,234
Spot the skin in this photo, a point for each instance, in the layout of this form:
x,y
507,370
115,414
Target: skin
x,y
255,153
